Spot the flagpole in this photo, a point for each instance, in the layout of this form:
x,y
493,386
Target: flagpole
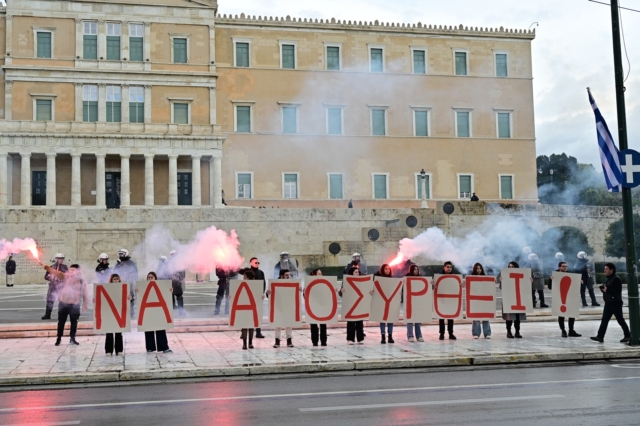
x,y
627,206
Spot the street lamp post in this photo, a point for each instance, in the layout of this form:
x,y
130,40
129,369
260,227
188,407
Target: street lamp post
x,y
423,183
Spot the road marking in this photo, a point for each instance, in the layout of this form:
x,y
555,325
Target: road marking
x,y
74,422
424,403
626,365
22,295
294,395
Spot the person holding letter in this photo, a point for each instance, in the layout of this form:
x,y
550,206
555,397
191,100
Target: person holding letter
x,y
259,275
111,337
478,269
612,295
447,269
248,275
562,267
414,271
355,329
156,340
385,271
322,335
513,319
284,275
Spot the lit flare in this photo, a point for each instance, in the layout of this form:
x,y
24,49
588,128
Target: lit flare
x,y
399,258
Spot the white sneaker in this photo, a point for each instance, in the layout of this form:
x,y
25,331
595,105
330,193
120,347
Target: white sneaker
x,y
487,337
361,342
420,339
349,342
476,337
411,339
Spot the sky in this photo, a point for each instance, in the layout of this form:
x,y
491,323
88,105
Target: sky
x,y
573,50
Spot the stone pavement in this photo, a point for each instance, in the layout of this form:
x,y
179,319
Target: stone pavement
x,y
213,354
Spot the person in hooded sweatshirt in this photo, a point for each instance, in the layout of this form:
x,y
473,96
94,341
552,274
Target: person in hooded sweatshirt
x,y
128,271
103,272
583,267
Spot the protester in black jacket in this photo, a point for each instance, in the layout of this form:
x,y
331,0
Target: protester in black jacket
x,y
10,269
355,329
447,269
259,275
224,277
562,267
318,332
612,294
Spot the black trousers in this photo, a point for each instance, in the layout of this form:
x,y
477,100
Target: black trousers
x,y
109,343
449,326
540,295
178,301
592,295
515,323
153,337
52,296
355,329
615,309
223,292
73,312
561,323
323,333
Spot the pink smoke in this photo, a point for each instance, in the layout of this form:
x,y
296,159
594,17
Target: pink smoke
x,y
211,247
17,245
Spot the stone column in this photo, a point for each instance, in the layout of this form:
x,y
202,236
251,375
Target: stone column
x,y
146,49
51,179
147,104
216,181
4,179
8,100
76,199
102,103
25,180
196,184
78,101
173,180
148,180
101,196
212,48
79,39
9,40
212,105
125,103
102,39
124,41
125,184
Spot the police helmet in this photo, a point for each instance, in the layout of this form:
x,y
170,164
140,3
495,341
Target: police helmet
x,y
582,255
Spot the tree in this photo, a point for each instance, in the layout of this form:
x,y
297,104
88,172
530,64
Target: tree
x,y
615,241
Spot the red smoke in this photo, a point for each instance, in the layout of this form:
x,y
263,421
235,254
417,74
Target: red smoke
x,y
211,247
17,245
399,258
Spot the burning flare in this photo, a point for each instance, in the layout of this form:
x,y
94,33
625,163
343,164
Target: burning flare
x,y
399,258
8,248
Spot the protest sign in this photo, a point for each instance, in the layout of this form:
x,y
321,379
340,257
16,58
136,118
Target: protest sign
x,y
447,296
246,303
385,302
111,311
284,303
356,297
321,300
418,300
155,307
516,291
480,297
565,292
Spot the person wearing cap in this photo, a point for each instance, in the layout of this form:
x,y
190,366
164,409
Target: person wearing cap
x,y
177,283
54,283
583,267
357,262
10,269
128,271
287,263
103,272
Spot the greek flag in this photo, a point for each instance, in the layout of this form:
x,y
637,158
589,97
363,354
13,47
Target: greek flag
x,y
609,154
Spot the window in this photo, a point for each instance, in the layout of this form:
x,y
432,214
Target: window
x,y
44,109
288,56
114,104
335,186
377,59
506,187
463,124
244,185
461,63
504,124
380,189
43,40
465,186
179,50
90,40
427,183
501,65
289,120
419,62
136,104
184,189
113,41
333,58
421,122
136,42
90,103
243,119
180,113
290,185
378,124
334,121
242,54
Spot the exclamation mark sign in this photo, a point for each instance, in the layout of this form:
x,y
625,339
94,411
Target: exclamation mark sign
x,y
565,285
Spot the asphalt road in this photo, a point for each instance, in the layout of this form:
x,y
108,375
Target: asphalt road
x,y
590,394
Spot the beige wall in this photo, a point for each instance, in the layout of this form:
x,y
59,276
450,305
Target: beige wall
x,y
64,37
197,44
23,101
87,180
161,106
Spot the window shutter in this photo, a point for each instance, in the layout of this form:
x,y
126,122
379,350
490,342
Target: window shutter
x,y
461,63
335,121
44,45
43,110
333,58
378,125
419,64
504,125
136,48
90,47
114,112
181,113
335,187
180,50
376,60
463,124
242,54
422,124
506,187
501,65
113,48
288,56
289,124
243,117
380,187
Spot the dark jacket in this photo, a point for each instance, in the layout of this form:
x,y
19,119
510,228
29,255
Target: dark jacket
x,y
614,289
10,267
291,264
361,265
103,272
225,276
583,267
52,277
260,276
177,282
128,271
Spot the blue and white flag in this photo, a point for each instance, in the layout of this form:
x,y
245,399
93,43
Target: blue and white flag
x,y
609,154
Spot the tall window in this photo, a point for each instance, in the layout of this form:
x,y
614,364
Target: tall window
x,y
90,40
419,62
501,65
43,44
506,187
461,63
185,189
419,185
136,42
113,41
335,186
377,61
114,104
44,110
465,184
333,58
288,56
290,185
463,124
179,50
380,187
289,120
421,119
244,185
243,119
504,125
136,104
90,103
334,121
180,113
242,54
378,125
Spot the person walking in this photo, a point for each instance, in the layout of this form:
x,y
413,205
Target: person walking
x,y
177,284
54,283
447,269
612,295
355,329
385,271
10,269
103,272
156,340
284,275
128,271
414,271
259,275
478,269
537,284
318,331
114,340
562,267
583,267
513,320
224,277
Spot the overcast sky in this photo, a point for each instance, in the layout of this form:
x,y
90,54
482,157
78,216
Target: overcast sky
x,y
572,50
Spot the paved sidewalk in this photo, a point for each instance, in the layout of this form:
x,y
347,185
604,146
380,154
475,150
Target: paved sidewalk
x,y
211,354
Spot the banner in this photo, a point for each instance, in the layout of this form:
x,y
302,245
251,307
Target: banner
x,y
111,313
516,291
481,297
447,296
418,300
565,293
321,300
284,303
246,303
385,302
356,297
155,307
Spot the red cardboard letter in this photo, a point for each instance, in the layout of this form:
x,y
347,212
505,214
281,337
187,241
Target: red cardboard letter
x,y
437,295
161,303
251,306
296,287
470,280
307,299
518,306
121,317
351,280
387,300
411,293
